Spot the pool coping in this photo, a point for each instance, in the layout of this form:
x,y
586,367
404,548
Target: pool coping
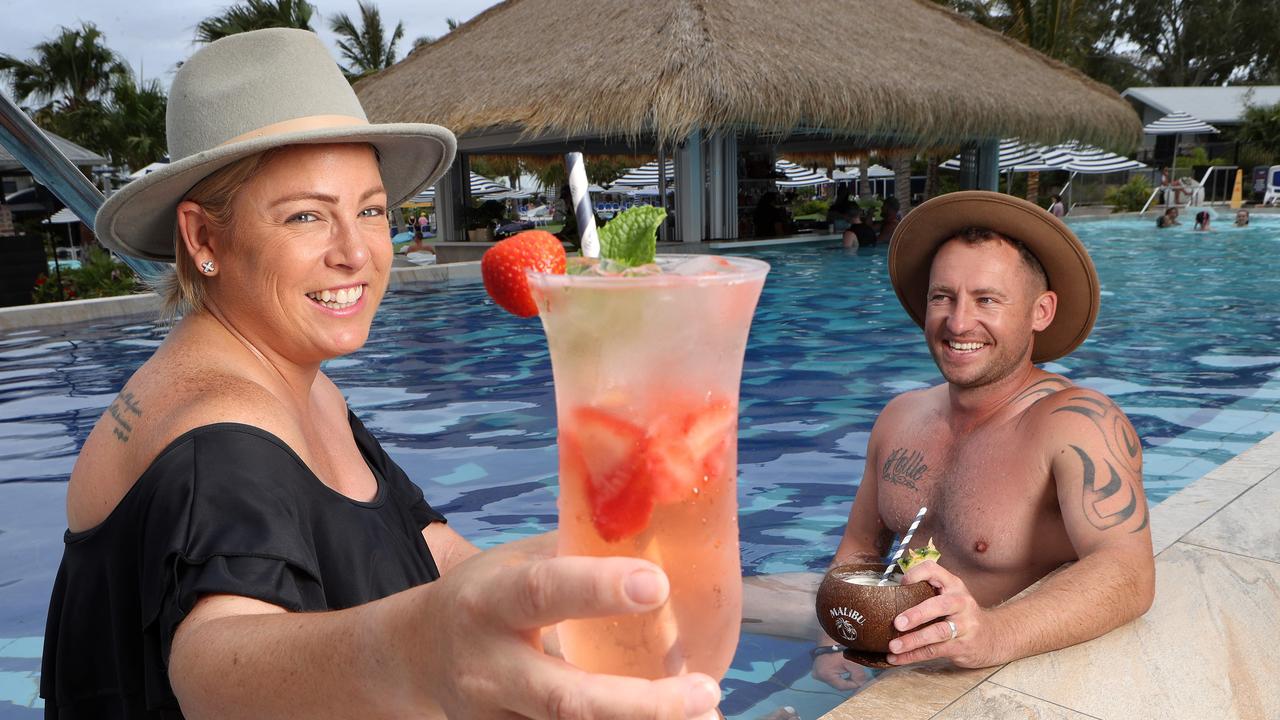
x,y
1179,525
22,317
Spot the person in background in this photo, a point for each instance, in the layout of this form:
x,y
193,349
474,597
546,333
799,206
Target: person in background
x,y
1242,218
1056,207
424,225
890,215
838,213
858,234
770,217
1202,220
1168,219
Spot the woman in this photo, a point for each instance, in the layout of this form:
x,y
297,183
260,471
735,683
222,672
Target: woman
x,y
1202,220
239,545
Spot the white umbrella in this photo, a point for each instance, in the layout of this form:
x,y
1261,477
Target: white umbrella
x,y
798,175
1178,124
1013,153
1079,158
646,175
480,185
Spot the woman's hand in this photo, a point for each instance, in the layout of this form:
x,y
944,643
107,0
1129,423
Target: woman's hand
x,y
483,621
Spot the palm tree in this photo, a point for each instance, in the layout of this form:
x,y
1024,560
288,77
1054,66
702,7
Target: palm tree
x,y
70,72
424,40
135,122
256,15
366,48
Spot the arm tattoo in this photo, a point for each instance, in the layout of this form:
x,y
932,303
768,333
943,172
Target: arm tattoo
x,y
1122,450
124,410
904,467
1096,495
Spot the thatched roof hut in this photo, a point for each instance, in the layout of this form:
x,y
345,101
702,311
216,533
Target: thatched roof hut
x,y
888,72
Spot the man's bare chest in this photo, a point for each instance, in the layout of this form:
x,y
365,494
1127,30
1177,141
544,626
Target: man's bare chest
x,y
987,492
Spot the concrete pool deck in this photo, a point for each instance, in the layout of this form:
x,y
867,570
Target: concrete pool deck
x,y
1208,648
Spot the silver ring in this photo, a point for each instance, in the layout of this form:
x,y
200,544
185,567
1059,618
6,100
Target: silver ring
x,y
954,632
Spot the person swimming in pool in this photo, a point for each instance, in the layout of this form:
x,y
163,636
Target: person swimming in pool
x,y
1022,471
239,544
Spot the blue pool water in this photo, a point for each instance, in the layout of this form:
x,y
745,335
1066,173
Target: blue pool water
x,y
460,394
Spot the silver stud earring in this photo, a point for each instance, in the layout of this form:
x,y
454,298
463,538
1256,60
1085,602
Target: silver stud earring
x,y
207,266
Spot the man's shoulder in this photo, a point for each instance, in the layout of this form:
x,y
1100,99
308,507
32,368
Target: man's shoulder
x,y
1068,414
913,402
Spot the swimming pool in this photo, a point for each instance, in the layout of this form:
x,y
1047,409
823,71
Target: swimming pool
x,y
460,395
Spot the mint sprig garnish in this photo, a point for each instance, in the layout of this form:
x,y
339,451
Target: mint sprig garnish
x,y
631,237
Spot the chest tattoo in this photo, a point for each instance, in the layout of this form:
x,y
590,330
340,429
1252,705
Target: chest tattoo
x,y
904,467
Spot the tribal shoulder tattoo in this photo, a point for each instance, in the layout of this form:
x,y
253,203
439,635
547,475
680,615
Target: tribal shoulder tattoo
x,y
1111,473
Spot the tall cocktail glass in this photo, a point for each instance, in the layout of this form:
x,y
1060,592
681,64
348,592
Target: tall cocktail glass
x,y
646,372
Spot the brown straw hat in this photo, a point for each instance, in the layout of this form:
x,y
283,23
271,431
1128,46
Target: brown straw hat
x,y
248,93
1066,263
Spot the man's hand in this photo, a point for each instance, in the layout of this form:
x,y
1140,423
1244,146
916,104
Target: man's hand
x,y
839,673
971,647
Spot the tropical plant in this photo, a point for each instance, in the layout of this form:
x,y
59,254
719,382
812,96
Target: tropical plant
x,y
256,15
1130,197
135,122
366,49
71,71
1261,128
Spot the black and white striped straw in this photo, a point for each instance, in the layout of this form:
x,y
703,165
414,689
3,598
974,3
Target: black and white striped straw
x,y
587,237
902,546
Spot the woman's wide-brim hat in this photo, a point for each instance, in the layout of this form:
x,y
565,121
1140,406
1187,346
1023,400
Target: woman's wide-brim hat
x,y
248,93
1066,263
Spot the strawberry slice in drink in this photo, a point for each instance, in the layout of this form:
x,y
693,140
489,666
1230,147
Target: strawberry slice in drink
x,y
685,448
619,491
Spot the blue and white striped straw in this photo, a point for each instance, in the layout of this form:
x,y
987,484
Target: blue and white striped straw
x,y
902,546
587,238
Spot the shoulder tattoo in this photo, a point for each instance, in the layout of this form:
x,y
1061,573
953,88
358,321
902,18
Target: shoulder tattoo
x,y
1042,389
124,410
1110,472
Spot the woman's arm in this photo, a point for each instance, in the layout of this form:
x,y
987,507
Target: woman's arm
x,y
463,646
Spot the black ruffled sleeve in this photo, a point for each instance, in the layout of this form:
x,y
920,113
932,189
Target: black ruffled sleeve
x,y
225,509
226,518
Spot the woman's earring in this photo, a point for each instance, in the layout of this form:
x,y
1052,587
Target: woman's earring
x,y
208,267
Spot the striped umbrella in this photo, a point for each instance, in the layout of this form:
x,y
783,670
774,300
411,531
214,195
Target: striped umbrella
x,y
646,175
480,185
1178,124
798,175
1078,158
1012,154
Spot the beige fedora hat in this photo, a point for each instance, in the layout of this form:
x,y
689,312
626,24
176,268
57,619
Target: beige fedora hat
x,y
1066,263
248,93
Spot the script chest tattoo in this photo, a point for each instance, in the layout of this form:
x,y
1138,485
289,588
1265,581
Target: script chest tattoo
x,y
904,467
124,411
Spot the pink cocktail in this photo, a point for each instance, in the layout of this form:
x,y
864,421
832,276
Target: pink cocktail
x,y
646,372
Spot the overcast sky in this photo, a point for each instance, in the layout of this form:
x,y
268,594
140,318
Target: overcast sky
x,y
154,35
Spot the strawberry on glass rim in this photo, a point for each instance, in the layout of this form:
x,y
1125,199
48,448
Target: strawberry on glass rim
x,y
504,268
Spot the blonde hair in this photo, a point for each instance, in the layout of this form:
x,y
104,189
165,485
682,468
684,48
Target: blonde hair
x,y
183,288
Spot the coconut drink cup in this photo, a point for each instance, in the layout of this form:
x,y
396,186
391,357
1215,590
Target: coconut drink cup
x,y
858,612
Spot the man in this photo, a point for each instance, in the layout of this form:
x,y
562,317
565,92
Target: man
x,y
1168,219
1021,470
